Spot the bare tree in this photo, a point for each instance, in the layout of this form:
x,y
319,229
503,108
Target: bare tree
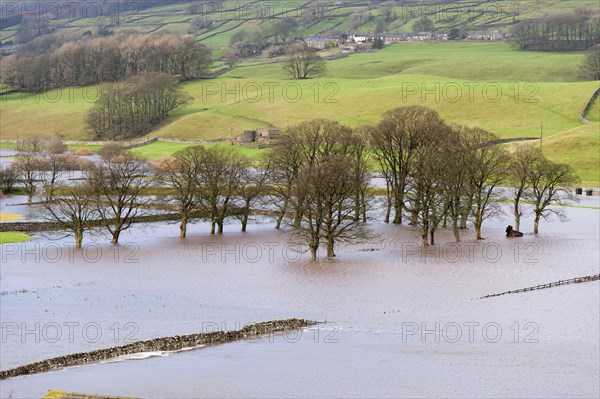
x,y
303,62
73,209
55,144
395,141
359,146
282,29
33,143
9,175
428,198
590,68
231,59
199,23
29,166
519,170
119,184
454,178
54,167
252,185
388,10
219,179
314,140
549,182
487,169
181,173
328,190
286,158
359,18
110,150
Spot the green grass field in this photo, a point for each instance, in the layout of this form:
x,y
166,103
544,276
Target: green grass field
x,y
490,85
471,15
7,237
580,148
479,84
161,150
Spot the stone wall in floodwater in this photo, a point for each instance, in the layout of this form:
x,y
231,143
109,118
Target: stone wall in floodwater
x,y
164,344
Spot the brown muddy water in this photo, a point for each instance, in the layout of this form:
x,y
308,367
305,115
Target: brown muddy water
x,y
401,322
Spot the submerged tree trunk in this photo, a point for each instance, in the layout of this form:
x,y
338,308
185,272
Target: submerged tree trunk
x,y
357,207
282,213
388,209
298,218
478,224
425,235
397,213
244,221
313,252
183,226
517,215
78,238
330,248
464,215
536,223
364,207
455,229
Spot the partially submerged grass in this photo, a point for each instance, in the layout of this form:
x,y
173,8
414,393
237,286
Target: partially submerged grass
x,y
488,85
54,394
8,237
9,217
161,150
580,148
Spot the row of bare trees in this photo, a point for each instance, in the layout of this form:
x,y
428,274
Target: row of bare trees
x,y
106,59
216,182
537,180
109,193
562,32
436,172
319,182
41,161
316,181
133,107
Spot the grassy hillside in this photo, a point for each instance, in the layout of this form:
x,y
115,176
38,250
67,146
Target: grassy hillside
x,y
469,15
490,85
580,148
160,150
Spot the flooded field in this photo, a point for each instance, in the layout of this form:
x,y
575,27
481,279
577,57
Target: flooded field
x,y
401,321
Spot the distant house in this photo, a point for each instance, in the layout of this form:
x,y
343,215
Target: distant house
x,y
8,48
362,38
390,38
493,35
247,136
393,38
317,41
264,135
419,36
259,135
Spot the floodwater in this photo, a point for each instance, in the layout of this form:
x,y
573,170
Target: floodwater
x,y
401,322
